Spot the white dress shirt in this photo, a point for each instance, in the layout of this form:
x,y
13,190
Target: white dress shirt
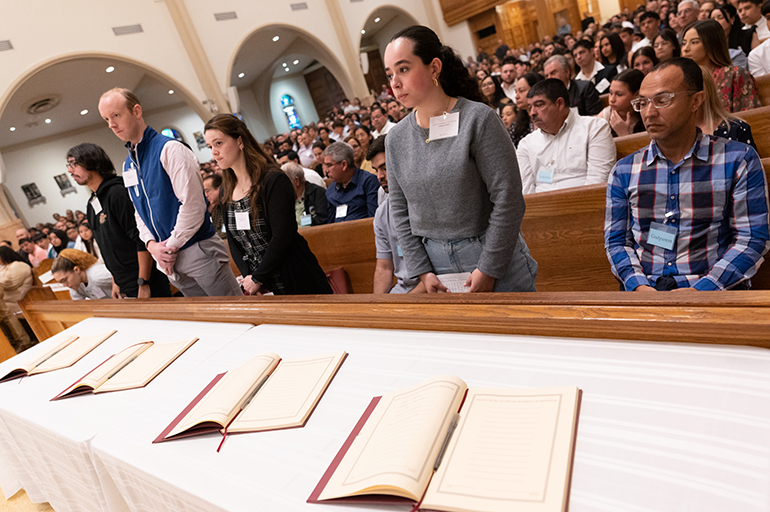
x,y
598,66
763,32
306,156
759,60
313,177
385,129
641,44
511,91
581,153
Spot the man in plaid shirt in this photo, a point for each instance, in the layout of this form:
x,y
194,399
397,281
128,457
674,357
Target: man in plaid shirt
x,y
689,211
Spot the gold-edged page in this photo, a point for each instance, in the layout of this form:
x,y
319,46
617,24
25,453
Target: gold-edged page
x,y
72,353
512,450
102,373
146,366
289,395
395,451
224,400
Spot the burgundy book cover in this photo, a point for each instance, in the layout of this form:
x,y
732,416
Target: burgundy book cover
x,y
175,422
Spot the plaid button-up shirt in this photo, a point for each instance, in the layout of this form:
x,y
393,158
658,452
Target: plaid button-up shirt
x,y
716,197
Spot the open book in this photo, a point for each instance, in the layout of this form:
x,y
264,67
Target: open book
x,y
266,393
506,449
58,354
132,367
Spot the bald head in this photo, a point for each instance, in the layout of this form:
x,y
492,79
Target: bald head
x,y
121,110
22,233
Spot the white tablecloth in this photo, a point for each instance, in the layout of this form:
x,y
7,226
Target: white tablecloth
x,y
663,427
45,446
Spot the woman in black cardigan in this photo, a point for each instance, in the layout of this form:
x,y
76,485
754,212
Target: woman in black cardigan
x,y
258,208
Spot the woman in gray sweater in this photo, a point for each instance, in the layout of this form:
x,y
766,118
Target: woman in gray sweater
x,y
455,187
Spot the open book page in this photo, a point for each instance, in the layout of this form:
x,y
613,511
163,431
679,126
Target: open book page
x,y
27,362
108,368
72,353
146,366
290,394
395,451
224,400
512,450
455,282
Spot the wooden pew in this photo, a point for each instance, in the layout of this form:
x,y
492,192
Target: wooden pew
x,y
763,88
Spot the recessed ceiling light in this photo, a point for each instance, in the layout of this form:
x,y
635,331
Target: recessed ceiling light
x,y
241,75
286,69
83,112
284,65
376,20
47,121
13,128
296,62
363,32
276,38
110,69
171,91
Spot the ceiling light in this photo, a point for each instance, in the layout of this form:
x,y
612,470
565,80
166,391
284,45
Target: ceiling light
x,y
13,128
241,75
284,65
286,69
296,62
363,32
276,38
47,121
110,69
83,112
376,20
171,91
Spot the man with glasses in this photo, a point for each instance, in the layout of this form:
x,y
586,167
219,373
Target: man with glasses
x,y
353,195
689,211
687,12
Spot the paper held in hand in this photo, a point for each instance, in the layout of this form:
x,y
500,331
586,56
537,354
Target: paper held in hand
x,y
266,393
455,282
512,449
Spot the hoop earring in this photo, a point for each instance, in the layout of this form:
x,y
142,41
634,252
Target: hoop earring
x,y
435,82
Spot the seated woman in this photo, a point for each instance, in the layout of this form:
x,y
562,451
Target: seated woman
x,y
614,52
508,115
704,42
522,125
666,45
364,138
359,155
59,240
258,202
619,114
737,38
492,92
714,119
15,277
644,59
86,242
80,272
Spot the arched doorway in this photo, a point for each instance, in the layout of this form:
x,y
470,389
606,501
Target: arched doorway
x,y
279,60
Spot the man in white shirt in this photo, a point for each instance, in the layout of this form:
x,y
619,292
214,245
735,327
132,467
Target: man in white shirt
x,y
566,150
305,151
750,13
649,24
759,58
508,77
310,175
380,122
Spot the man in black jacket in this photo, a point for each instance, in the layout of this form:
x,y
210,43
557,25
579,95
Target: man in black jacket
x,y
110,215
311,206
582,94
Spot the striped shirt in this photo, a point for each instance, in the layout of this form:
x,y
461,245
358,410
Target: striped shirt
x,y
717,199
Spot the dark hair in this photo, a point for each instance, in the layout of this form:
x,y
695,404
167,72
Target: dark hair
x,y
216,180
510,60
62,236
647,15
693,76
8,256
376,147
337,124
755,2
522,121
498,95
381,109
712,37
455,79
320,145
92,158
35,239
534,51
552,89
632,78
618,49
645,51
765,10
669,35
583,43
292,155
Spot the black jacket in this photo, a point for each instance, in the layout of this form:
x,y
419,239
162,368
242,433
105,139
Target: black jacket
x,y
583,95
287,252
116,233
608,73
316,204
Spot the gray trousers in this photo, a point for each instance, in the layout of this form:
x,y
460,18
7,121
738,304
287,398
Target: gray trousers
x,y
203,269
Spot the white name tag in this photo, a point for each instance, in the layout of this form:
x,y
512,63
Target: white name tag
x,y
444,126
342,211
602,86
242,221
545,176
305,220
661,235
130,178
96,205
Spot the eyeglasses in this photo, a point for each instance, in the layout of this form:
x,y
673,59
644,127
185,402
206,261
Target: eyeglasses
x,y
326,165
660,100
71,164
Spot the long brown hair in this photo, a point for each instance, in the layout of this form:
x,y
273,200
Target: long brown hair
x,y
257,162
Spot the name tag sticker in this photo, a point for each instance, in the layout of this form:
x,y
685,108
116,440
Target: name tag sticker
x,y
305,220
130,178
443,127
398,249
242,221
545,176
342,211
96,205
602,86
661,235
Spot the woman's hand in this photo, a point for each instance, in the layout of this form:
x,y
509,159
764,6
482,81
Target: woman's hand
x,y
478,281
621,125
432,283
251,287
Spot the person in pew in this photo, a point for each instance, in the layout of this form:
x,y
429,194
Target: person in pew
x,y
621,116
666,45
22,233
390,259
689,211
522,125
353,195
714,119
358,154
566,150
582,94
591,69
15,277
644,59
455,194
80,272
258,205
211,186
59,240
35,253
310,207
111,217
759,58
310,175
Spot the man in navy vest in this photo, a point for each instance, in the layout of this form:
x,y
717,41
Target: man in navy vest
x,y
164,183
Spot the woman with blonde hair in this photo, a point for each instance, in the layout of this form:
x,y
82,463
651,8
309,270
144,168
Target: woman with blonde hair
x,y
79,271
715,120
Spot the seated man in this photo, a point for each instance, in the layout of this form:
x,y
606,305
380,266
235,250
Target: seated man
x,y
310,207
689,211
34,253
390,260
566,150
41,240
310,175
582,94
211,186
353,195
591,69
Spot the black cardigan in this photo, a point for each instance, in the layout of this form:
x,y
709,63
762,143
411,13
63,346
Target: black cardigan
x,y
287,252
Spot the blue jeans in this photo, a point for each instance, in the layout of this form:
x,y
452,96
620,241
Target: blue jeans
x,y
463,254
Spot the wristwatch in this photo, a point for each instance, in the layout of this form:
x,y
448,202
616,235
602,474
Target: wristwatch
x,y
141,282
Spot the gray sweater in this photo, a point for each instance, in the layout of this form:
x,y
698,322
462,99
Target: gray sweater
x,y
458,187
